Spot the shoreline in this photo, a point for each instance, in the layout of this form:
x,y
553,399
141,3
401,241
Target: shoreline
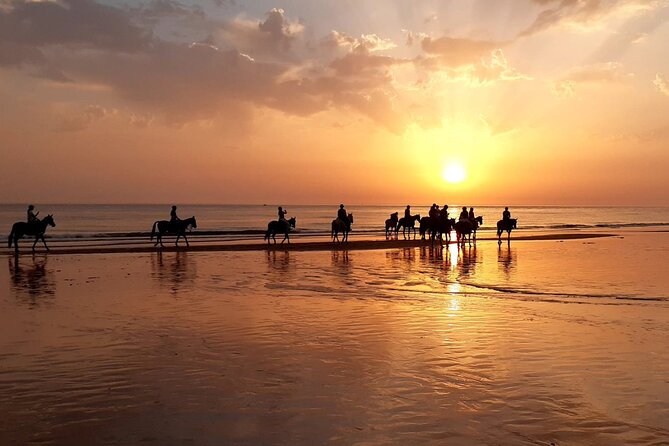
x,y
353,245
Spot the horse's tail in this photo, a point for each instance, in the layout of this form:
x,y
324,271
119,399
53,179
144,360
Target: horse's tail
x,y
10,238
267,234
153,230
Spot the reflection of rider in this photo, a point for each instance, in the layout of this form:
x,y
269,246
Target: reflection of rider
x,y
282,214
407,212
173,215
464,215
471,214
32,216
443,214
341,215
506,215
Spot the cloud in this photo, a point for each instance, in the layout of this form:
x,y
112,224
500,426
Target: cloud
x,y
454,52
73,121
273,37
602,73
585,13
662,84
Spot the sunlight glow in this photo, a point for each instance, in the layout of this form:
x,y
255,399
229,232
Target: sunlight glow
x,y
454,173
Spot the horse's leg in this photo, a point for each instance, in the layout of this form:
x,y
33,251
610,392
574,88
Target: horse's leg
x,y
176,243
36,240
186,238
288,237
16,244
44,242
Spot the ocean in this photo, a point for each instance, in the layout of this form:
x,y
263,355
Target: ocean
x,y
93,222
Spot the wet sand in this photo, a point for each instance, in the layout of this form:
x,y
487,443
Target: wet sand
x,y
543,342
313,244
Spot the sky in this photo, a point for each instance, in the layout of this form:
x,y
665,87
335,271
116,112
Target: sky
x,y
554,102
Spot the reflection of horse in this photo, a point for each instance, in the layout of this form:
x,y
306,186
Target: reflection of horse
x,y
408,224
341,226
177,227
21,228
391,223
279,227
506,225
35,280
465,228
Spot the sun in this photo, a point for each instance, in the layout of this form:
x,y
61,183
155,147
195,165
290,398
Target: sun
x,y
454,173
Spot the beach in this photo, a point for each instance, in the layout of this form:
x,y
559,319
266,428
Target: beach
x,y
553,341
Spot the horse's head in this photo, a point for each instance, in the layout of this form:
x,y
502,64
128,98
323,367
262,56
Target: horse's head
x,y
514,221
480,219
192,222
416,217
394,215
350,218
49,221
291,222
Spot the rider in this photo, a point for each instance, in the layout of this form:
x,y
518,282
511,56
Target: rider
x,y
343,216
434,211
443,214
282,214
32,216
464,215
407,212
506,215
173,215
471,214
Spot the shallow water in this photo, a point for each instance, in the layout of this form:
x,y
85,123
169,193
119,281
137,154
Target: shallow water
x,y
412,346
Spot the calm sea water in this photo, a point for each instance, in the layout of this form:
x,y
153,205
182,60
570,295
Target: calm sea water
x,y
87,221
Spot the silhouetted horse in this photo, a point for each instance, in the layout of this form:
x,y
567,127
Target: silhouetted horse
x,y
340,226
443,227
424,226
21,228
408,223
478,221
391,223
506,225
279,227
178,227
465,228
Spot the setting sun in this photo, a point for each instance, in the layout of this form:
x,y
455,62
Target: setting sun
x,y
454,173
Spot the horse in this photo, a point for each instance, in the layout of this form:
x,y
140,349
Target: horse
x,y
279,226
424,226
340,226
177,227
391,223
464,228
38,228
505,225
408,223
443,227
476,222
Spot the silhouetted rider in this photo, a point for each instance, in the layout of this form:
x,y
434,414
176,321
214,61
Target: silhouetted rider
x,y
443,214
506,215
282,214
173,215
471,214
464,215
343,216
434,211
32,215
407,212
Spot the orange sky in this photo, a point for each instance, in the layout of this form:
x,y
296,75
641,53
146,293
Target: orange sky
x,y
541,101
